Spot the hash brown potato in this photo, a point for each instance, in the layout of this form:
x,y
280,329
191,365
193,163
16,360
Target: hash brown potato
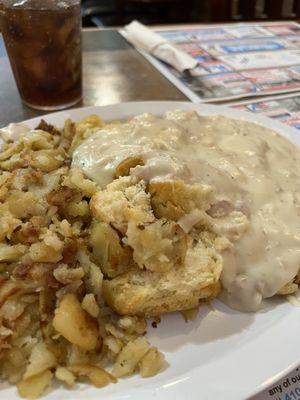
x,y
81,268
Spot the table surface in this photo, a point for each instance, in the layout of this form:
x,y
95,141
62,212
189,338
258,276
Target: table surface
x,y
113,72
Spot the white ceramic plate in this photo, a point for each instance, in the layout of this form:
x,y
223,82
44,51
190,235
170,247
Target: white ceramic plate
x,y
223,354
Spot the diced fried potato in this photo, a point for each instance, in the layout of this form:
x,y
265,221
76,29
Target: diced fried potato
x,y
66,275
11,253
65,375
38,139
151,363
61,195
13,149
40,252
40,360
95,280
5,183
13,363
114,344
5,332
132,324
7,225
93,273
49,182
77,209
128,359
12,309
69,129
24,204
77,181
77,355
22,324
90,305
75,324
113,330
8,288
15,161
65,228
98,376
108,251
33,387
46,160
52,240
16,357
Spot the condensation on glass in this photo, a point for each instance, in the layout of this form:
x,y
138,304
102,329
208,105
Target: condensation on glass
x,y
43,42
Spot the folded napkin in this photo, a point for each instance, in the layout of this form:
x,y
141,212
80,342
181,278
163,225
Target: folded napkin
x,y
144,39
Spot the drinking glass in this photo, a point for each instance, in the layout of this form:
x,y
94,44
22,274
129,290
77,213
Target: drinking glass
x,y
43,42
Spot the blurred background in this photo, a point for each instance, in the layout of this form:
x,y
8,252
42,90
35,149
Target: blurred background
x,y
104,13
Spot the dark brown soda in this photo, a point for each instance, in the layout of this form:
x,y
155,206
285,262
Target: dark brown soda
x,y
44,48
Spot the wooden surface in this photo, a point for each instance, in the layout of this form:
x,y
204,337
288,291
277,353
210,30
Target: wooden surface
x,y
113,72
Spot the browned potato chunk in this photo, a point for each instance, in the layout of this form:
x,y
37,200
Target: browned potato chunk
x,y
64,375
75,324
151,363
33,387
11,253
46,160
41,359
8,289
89,304
98,376
130,356
108,252
123,169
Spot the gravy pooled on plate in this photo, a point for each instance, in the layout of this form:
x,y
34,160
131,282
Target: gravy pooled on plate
x,y
251,168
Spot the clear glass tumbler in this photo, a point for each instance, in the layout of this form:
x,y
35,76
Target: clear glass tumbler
x,y
43,42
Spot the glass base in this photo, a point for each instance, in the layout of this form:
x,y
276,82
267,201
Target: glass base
x,y
52,108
